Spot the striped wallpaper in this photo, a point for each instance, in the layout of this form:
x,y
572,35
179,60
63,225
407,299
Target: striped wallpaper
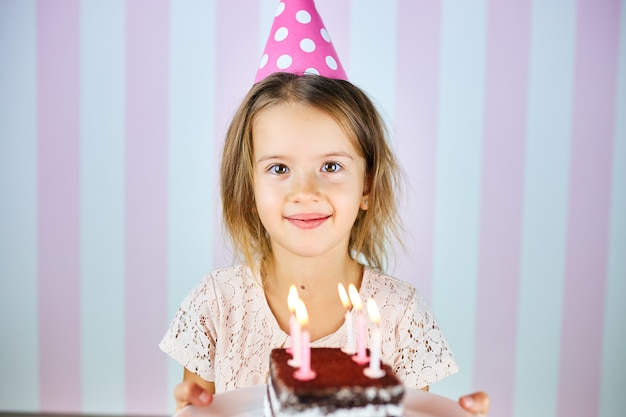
x,y
509,117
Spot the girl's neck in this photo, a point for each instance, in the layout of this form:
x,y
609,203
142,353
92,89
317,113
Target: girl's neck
x,y
312,275
316,282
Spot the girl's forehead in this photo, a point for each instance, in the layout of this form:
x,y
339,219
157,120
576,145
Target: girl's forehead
x,y
294,120
300,128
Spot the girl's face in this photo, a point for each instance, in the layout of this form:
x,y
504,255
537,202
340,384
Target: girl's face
x,y
308,180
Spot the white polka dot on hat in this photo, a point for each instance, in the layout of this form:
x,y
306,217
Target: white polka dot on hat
x,y
299,43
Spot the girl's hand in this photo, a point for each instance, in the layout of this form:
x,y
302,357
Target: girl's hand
x,y
477,403
188,392
193,390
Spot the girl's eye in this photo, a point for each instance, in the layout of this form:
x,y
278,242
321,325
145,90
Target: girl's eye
x,y
278,169
331,167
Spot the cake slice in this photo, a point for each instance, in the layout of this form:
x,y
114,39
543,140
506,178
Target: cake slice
x,y
339,389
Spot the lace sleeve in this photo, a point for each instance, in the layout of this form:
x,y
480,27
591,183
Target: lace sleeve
x,y
423,354
192,336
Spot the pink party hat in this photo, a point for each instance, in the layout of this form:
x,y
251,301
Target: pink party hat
x,y
299,43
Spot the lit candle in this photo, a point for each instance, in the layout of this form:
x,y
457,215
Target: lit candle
x,y
361,353
350,349
294,327
373,370
296,342
304,373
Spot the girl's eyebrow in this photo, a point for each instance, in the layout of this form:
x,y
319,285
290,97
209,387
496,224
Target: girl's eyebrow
x,y
269,157
340,154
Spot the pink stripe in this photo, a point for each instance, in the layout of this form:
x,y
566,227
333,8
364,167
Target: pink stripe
x,y
238,58
147,62
59,204
506,100
595,87
417,98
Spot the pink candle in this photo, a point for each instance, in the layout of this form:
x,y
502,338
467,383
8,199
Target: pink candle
x,y
361,353
373,370
350,349
304,373
296,333
294,326
296,345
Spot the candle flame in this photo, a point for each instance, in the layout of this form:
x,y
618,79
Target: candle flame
x,y
355,298
292,298
301,314
372,310
344,296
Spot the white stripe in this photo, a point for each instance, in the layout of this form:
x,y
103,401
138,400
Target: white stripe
x,y
545,206
267,12
458,187
19,378
612,398
102,206
191,160
373,52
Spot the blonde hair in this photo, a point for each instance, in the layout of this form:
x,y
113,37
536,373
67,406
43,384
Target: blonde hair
x,y
350,107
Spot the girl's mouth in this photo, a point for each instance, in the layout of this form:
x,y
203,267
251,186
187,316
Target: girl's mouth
x,y
307,221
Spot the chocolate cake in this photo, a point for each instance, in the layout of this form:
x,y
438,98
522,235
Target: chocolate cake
x,y
339,389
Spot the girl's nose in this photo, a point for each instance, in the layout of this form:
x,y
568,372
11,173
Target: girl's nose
x,y
305,187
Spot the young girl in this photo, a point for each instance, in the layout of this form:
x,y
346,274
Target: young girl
x,y
308,186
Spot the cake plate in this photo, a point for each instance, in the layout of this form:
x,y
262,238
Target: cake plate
x,y
248,402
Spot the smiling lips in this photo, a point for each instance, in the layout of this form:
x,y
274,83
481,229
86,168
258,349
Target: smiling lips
x,y
307,220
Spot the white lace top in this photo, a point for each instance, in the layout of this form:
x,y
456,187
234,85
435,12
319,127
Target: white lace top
x,y
224,331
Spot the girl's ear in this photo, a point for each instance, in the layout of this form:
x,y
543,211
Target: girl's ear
x,y
366,192
364,202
